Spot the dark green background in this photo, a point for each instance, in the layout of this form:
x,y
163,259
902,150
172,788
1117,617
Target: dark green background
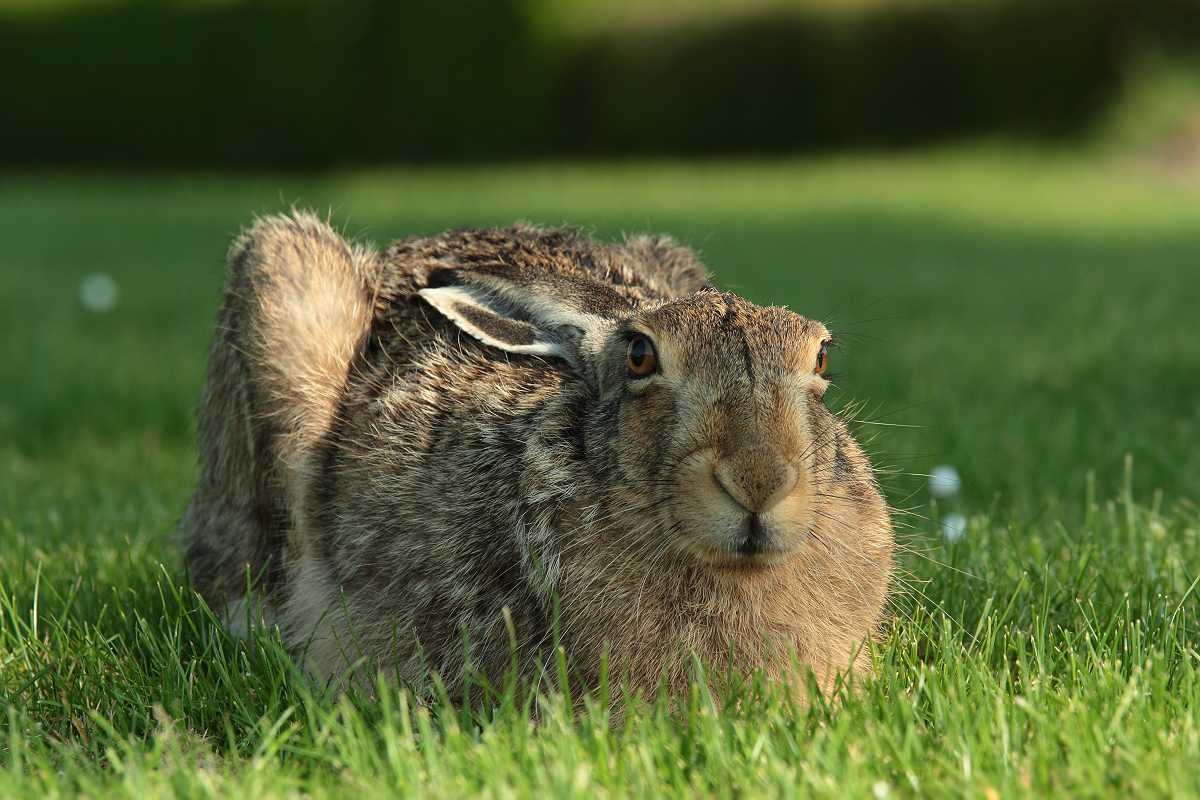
x,y
318,83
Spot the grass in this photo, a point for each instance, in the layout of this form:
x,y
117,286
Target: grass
x,y
1031,314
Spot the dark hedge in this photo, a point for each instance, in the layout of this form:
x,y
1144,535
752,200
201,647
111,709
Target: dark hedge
x,y
313,83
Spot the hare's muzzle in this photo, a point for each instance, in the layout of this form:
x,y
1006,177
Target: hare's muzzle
x,y
748,507
758,479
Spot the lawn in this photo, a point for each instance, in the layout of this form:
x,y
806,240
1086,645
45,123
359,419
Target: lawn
x,y
1027,317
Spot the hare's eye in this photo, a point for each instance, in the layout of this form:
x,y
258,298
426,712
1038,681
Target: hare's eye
x,y
641,356
822,360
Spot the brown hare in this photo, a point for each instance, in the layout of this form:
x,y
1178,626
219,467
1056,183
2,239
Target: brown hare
x,y
535,438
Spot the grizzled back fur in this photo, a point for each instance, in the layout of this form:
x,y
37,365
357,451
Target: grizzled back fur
x,y
485,429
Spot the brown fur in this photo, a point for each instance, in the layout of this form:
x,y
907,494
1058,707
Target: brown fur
x,y
447,436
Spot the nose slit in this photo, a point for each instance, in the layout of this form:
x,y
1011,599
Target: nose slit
x,y
757,480
754,539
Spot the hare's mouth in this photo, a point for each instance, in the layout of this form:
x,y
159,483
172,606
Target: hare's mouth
x,y
755,539
750,539
758,539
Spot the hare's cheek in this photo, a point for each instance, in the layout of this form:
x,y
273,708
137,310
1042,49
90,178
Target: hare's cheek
x,y
646,426
699,505
792,521
824,433
697,493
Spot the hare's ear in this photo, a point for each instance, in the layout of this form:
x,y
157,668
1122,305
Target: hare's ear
x,y
487,324
540,327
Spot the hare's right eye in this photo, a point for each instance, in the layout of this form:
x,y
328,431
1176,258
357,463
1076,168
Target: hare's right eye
x,y
822,359
642,360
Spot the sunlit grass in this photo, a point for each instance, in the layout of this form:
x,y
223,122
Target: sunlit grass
x,y
1031,315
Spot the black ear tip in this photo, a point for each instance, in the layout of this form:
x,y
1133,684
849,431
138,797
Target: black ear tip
x,y
441,277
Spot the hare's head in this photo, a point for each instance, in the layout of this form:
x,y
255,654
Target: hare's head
x,y
721,406
706,411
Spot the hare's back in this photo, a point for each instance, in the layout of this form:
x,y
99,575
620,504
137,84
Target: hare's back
x,y
642,268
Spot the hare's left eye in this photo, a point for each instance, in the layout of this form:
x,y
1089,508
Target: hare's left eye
x,y
822,359
640,355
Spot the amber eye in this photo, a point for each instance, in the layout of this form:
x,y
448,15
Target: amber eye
x,y
822,360
641,357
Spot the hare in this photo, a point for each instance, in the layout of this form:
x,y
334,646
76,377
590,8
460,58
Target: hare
x,y
465,451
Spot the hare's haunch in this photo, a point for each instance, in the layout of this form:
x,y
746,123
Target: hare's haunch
x,y
480,430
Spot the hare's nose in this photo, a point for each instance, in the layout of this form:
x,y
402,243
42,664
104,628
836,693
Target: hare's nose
x,y
758,478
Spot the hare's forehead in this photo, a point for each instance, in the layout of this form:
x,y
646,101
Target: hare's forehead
x,y
711,327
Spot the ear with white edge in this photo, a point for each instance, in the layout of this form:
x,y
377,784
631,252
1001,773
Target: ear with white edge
x,y
488,324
